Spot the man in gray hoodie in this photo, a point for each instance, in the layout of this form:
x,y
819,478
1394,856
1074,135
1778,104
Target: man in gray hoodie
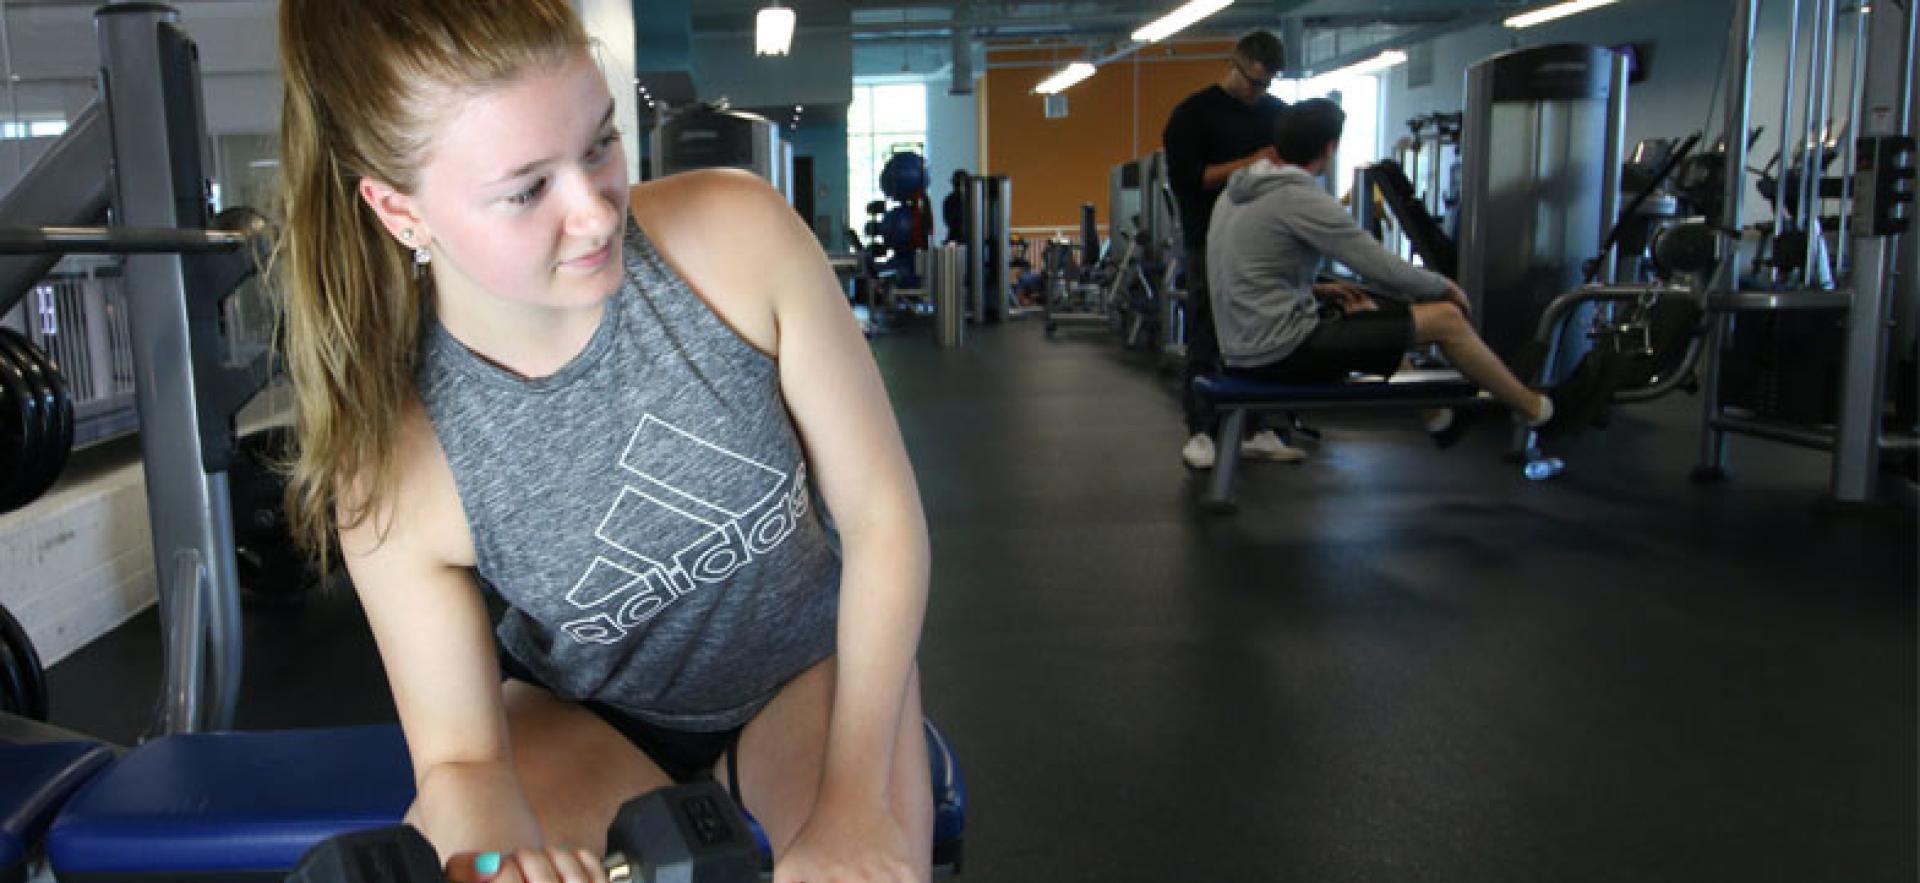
x,y
1272,231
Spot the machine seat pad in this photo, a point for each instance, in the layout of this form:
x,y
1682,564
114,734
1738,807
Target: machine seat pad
x,y
35,780
233,801
1226,389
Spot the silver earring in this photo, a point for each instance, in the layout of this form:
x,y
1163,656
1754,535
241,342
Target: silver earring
x,y
421,256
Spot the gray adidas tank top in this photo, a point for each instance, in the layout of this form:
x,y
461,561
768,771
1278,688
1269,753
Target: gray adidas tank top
x,y
645,511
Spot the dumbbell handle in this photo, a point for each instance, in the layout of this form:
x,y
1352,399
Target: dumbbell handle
x,y
694,830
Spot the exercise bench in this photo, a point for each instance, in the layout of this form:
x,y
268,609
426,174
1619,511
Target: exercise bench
x,y
1234,398
242,807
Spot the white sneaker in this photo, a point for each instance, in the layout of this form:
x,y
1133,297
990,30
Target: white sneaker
x,y
1198,452
1265,445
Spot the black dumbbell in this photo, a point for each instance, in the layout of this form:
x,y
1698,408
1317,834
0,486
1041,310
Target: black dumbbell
x,y
682,834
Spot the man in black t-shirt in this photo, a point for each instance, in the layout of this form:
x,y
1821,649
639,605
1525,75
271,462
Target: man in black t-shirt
x,y
1210,135
953,209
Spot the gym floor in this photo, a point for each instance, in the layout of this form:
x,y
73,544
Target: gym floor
x,y
1392,664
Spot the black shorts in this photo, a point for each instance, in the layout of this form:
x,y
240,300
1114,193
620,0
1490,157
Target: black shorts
x,y
1370,342
685,756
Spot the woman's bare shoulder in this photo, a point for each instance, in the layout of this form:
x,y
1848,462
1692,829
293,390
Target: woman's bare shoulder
x,y
727,233
420,516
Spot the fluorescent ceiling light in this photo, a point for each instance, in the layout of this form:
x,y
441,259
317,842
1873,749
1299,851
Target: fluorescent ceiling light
x,y
1178,20
773,31
1560,10
1375,64
1065,77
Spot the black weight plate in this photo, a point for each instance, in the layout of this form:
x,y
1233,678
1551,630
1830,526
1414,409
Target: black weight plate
x,y
15,698
17,655
31,367
20,439
63,404
59,405
27,360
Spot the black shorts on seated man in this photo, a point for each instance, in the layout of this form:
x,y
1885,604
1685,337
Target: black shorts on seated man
x,y
1272,231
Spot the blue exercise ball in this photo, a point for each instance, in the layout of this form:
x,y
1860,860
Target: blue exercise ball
x,y
896,228
904,175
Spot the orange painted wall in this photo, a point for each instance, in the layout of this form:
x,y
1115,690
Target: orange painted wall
x,y
1058,164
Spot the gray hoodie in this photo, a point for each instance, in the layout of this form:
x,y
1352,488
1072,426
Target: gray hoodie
x,y
1271,231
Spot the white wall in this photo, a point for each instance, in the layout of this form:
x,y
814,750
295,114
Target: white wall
x,y
819,70
610,24
953,127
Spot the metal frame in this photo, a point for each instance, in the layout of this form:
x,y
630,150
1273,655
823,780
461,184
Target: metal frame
x,y
1884,97
142,149
150,84
1232,423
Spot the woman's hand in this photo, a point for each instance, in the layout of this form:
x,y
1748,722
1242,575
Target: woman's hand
x,y
549,865
844,842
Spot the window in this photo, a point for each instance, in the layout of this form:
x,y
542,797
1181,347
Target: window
x,y
1359,96
886,116
16,130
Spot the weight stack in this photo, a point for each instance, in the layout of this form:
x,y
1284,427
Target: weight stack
x,y
1785,366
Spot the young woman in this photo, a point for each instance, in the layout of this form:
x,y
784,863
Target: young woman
x,y
613,407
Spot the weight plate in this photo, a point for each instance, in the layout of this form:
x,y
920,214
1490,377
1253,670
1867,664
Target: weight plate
x,y
40,469
59,412
15,695
63,401
17,656
20,438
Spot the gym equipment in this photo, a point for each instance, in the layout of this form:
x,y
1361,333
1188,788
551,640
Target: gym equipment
x,y
244,806
178,270
903,229
1411,215
1075,295
272,569
1431,161
711,135
989,230
948,286
35,780
1150,309
45,411
229,806
1643,333
679,834
1859,295
1234,398
1540,148
23,683
22,434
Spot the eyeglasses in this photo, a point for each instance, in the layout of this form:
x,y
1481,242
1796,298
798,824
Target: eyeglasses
x,y
1259,84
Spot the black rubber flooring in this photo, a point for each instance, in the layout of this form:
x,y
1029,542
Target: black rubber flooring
x,y
1392,664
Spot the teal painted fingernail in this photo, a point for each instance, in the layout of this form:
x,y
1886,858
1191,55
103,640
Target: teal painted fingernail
x,y
488,863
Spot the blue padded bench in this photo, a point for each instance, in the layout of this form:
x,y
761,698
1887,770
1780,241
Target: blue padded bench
x,y
35,780
237,807
243,807
1233,398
